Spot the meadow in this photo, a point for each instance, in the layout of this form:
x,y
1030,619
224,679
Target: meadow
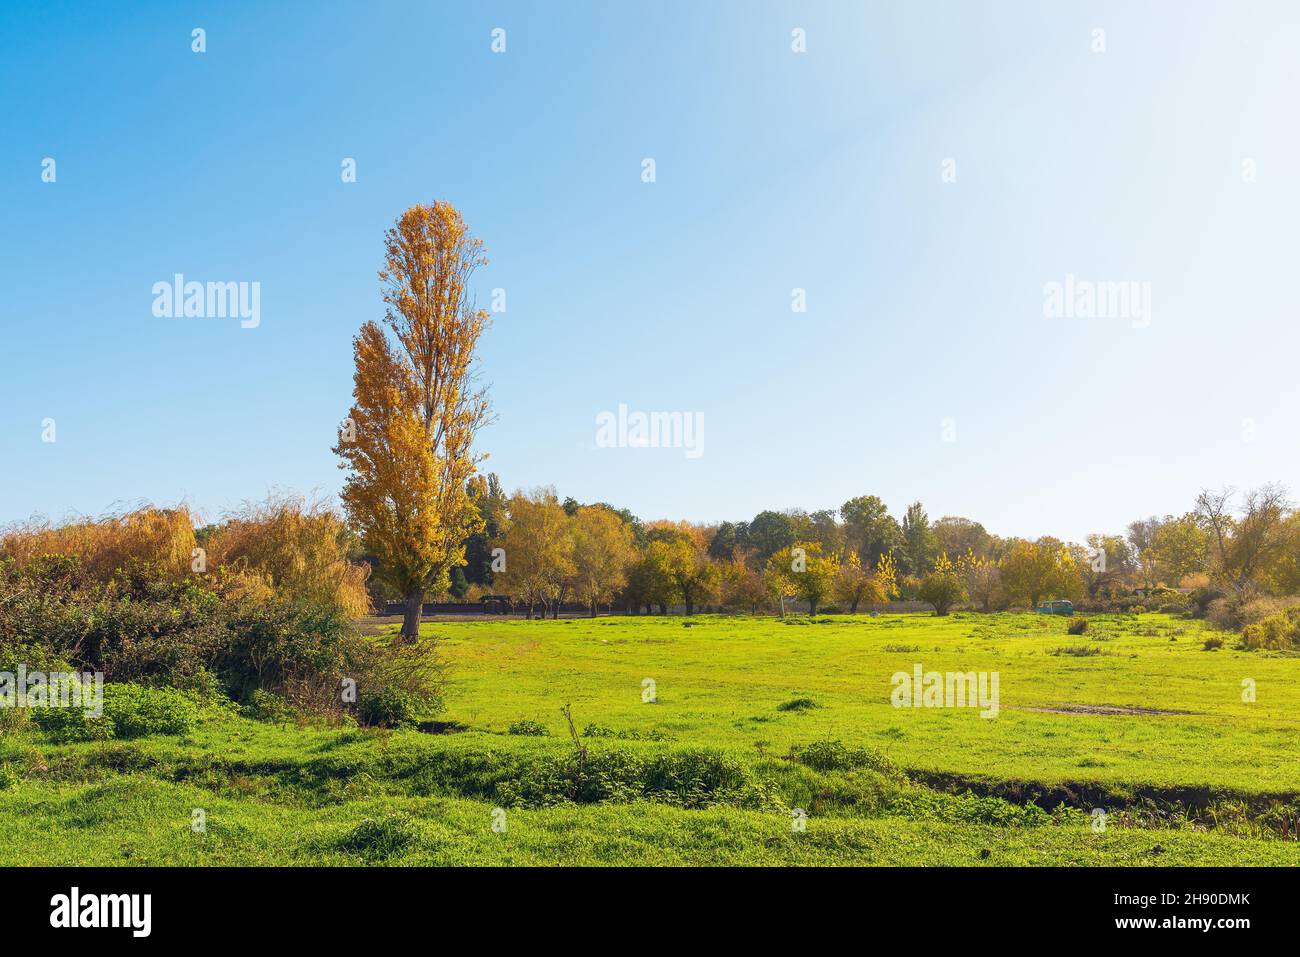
x,y
755,741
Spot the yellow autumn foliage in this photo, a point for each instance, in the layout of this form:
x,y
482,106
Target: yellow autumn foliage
x,y
290,548
163,537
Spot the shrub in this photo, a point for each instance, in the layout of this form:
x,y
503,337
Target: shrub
x,y
527,728
1199,600
398,685
295,548
1077,625
838,756
1257,609
1279,631
138,622
268,706
389,707
599,731
101,548
1213,643
1232,612
129,711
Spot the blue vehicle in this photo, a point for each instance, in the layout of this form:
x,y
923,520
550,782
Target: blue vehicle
x,y
1060,607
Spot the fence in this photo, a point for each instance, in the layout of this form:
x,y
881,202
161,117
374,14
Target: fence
x,y
502,605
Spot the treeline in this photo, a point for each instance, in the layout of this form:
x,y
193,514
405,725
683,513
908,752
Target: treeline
x,y
1239,550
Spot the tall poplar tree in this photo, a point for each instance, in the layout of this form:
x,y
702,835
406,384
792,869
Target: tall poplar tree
x,y
407,444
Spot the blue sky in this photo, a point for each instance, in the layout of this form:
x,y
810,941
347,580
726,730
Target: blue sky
x,y
774,171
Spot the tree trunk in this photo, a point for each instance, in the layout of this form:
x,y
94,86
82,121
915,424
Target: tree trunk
x,y
411,617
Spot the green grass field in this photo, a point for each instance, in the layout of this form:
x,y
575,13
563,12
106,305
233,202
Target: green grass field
x,y
1135,717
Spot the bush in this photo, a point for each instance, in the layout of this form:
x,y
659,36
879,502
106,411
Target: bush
x,y
388,707
129,711
1257,609
527,728
838,756
1233,613
1199,601
293,548
1280,631
146,628
1224,612
686,779
101,548
398,685
942,590
271,707
1077,625
1213,643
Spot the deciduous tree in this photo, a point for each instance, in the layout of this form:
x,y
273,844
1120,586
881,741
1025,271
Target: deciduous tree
x,y
408,442
602,550
854,584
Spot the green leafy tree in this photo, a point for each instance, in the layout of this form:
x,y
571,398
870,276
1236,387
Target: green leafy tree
x,y
919,541
768,533
722,547
869,528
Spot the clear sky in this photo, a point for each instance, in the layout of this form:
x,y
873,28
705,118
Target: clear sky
x,y
775,170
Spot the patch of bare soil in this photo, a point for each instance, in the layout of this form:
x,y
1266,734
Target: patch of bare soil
x,y
1104,709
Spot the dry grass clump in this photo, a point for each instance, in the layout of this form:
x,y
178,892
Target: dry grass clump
x,y
286,547
293,548
162,537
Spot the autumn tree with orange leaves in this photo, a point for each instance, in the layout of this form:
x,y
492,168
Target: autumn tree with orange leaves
x,y
407,442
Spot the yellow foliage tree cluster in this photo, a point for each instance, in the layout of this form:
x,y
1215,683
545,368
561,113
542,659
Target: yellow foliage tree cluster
x,y
804,571
550,554
855,585
1033,571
